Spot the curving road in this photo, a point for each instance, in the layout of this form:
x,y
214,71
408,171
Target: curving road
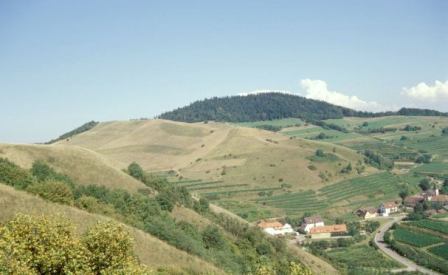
x,y
410,265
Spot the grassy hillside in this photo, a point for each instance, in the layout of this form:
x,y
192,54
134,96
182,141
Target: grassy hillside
x,y
222,161
81,164
214,152
150,250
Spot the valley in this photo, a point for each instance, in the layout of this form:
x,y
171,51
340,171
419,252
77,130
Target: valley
x,y
164,179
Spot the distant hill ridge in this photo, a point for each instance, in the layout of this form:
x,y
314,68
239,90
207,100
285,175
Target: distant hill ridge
x,y
269,106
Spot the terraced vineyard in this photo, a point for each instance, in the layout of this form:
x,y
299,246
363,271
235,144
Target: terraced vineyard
x,y
351,194
417,239
440,250
434,168
432,144
387,149
312,132
424,242
439,226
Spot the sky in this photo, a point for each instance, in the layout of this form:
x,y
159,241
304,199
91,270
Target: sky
x,y
63,63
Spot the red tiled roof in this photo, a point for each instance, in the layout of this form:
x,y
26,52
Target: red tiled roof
x,y
440,198
390,204
335,228
268,224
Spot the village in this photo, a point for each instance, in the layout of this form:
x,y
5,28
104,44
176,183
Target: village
x,y
313,227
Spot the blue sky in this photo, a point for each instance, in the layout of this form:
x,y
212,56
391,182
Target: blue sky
x,y
63,63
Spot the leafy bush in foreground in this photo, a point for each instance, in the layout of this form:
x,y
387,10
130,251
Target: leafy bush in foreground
x,y
41,245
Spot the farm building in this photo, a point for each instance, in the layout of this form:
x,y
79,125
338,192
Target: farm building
x,y
367,213
275,228
322,232
311,222
388,208
412,201
429,194
443,199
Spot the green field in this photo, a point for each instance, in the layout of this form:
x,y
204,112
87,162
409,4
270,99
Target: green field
x,y
351,194
424,242
360,257
434,168
439,226
440,250
415,238
283,123
312,132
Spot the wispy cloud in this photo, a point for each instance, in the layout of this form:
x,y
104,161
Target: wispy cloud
x,y
318,89
428,93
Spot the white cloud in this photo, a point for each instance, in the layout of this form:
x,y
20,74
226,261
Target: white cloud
x,y
318,89
428,93
265,91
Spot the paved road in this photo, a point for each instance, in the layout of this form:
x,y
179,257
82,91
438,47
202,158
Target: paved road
x,y
410,265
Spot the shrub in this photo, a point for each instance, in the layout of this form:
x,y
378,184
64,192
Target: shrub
x,y
212,237
54,191
92,205
136,171
166,201
13,175
109,247
41,246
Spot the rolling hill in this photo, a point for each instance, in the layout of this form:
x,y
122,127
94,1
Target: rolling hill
x,y
273,105
216,152
150,250
224,162
82,165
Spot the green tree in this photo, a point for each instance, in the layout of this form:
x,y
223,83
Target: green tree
x,y
136,171
425,184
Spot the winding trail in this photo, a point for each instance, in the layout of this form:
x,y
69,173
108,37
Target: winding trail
x,y
410,265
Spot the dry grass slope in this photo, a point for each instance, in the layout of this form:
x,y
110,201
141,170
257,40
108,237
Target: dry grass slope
x,y
150,250
215,151
81,164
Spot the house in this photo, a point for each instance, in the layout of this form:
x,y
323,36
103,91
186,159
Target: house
x,y
429,194
322,232
311,222
388,208
275,228
367,213
412,201
443,199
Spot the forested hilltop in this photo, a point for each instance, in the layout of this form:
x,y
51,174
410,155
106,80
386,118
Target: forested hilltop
x,y
269,106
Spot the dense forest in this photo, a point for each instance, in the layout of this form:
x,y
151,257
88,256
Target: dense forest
x,y
269,106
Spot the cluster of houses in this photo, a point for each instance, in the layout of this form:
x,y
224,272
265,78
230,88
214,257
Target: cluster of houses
x,y
431,195
387,208
384,210
313,226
